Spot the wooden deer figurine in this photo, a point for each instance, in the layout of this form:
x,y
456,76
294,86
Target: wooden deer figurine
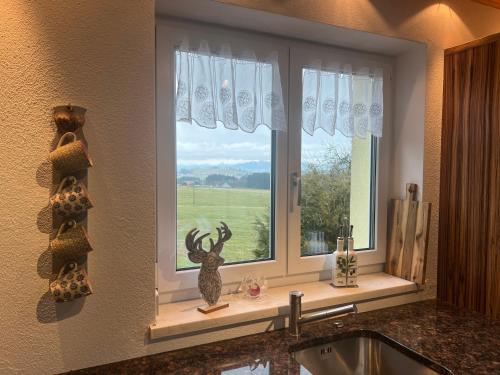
x,y
209,280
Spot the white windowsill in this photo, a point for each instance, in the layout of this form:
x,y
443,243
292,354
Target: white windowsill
x,y
183,318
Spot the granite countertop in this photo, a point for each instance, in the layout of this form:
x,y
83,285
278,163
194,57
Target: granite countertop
x,y
464,342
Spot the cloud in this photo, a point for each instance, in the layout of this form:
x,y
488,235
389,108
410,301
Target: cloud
x,y
229,153
212,146
193,162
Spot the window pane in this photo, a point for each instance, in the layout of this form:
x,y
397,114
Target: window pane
x,y
336,183
225,175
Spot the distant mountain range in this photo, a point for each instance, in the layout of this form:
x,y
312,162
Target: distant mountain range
x,y
235,170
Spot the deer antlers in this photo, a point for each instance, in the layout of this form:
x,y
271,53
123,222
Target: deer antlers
x,y
195,247
224,234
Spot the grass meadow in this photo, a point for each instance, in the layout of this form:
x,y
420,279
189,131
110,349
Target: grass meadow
x,y
204,207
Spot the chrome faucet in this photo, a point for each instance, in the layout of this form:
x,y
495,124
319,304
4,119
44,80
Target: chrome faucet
x,y
297,319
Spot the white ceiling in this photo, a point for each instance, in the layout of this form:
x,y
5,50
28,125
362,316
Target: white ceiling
x,y
250,19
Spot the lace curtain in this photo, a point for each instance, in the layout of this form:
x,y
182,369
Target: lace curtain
x,y
239,93
337,99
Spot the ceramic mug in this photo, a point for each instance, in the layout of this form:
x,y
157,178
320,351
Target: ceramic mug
x,y
71,198
71,283
70,154
71,240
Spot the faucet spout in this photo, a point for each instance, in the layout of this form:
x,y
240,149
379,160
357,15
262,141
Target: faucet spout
x,y
296,319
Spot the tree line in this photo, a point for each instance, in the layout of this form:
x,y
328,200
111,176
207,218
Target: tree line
x,y
258,180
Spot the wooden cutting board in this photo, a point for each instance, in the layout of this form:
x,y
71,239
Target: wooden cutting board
x,y
408,237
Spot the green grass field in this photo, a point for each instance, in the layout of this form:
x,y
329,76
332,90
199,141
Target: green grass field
x,y
205,207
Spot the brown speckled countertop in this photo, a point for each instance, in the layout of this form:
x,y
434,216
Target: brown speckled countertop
x,y
464,342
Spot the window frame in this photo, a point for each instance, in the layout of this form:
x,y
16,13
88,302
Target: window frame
x,y
288,266
304,55
169,35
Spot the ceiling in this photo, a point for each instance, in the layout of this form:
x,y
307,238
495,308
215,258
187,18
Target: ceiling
x,y
275,24
491,3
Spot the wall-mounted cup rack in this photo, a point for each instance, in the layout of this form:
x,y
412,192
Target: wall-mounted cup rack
x,y
70,203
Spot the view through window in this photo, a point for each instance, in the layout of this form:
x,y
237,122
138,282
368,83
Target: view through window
x,y
225,162
225,174
336,184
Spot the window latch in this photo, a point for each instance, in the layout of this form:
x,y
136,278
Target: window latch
x,y
296,190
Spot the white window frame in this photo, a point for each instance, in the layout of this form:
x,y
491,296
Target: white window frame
x,y
169,36
287,265
305,55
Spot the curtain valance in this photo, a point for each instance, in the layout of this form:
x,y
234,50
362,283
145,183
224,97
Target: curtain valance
x,y
338,99
239,93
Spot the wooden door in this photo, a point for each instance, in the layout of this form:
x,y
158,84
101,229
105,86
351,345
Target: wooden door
x,y
469,212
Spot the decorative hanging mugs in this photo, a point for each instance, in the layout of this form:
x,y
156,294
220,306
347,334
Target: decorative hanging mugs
x,y
71,240
71,201
70,154
71,198
71,283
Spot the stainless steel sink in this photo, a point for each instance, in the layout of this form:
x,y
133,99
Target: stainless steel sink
x,y
365,353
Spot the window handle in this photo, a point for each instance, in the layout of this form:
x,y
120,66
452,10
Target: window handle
x,y
296,190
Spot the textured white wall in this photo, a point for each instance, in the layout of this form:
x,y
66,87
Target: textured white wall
x,y
439,24
98,54
408,130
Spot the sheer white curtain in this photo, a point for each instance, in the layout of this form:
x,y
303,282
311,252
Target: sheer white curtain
x,y
237,92
335,98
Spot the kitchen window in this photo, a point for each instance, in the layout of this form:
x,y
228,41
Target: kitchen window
x,y
279,139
